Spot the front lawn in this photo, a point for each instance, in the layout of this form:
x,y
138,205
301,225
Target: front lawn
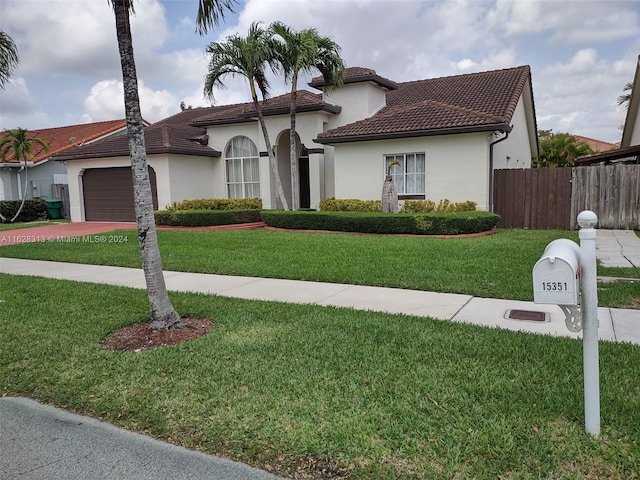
x,y
284,387
494,266
36,223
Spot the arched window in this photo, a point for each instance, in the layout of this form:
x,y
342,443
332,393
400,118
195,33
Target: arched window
x,y
243,174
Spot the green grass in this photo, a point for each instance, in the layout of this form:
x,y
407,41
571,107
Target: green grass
x,y
381,396
40,223
494,266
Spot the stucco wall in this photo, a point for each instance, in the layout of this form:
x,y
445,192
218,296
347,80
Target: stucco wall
x,y
515,151
456,167
194,177
41,174
358,101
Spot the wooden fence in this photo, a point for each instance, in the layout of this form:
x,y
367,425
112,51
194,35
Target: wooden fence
x,y
551,198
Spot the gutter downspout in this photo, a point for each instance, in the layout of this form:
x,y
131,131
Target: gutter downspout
x,y
502,139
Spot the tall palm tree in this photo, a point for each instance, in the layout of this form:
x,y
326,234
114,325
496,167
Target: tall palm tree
x,y
305,51
163,314
8,58
19,143
625,98
246,57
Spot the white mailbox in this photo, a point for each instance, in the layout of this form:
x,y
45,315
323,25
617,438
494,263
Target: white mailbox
x,y
556,274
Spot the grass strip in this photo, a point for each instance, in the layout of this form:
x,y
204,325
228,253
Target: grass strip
x,y
375,395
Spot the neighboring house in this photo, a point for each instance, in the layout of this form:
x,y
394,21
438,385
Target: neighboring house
x,y
629,150
596,145
43,173
447,134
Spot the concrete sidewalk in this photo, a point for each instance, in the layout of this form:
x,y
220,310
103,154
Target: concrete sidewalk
x,y
615,324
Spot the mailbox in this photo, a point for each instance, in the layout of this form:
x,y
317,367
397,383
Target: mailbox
x,y
556,274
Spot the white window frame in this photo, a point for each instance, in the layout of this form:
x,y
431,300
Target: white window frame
x,y
401,176
248,166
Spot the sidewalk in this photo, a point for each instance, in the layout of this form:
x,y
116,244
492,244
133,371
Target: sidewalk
x,y
616,325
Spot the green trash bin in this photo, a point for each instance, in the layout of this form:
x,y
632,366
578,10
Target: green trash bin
x,y
54,208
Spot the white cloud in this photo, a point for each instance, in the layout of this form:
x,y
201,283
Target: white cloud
x,y
77,36
106,101
18,108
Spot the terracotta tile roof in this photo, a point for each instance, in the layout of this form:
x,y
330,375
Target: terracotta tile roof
x,y
62,139
171,135
357,75
245,112
597,145
474,102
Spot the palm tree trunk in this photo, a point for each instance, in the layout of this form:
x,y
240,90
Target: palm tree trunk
x,y
295,189
163,315
24,192
272,157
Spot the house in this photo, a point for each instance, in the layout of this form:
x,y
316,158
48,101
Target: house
x,y
446,134
629,150
42,173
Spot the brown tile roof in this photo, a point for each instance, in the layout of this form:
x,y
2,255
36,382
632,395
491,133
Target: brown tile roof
x,y
357,75
245,112
474,102
62,139
596,145
171,135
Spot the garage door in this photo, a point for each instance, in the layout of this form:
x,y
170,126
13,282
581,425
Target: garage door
x,y
108,194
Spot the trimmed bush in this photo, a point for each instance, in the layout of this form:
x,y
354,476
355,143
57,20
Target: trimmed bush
x,y
205,218
350,205
427,206
453,223
218,204
33,210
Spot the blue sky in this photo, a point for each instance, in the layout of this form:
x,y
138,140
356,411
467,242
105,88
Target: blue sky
x,y
581,52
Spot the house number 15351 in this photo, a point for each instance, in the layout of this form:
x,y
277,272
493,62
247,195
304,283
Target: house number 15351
x,y
554,286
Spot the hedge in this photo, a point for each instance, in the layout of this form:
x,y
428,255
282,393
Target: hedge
x,y
33,210
218,204
453,223
409,206
205,218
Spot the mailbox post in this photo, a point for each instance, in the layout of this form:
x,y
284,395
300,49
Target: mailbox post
x,y
565,275
587,220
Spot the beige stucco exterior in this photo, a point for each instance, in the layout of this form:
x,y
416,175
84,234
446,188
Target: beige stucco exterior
x,y
456,167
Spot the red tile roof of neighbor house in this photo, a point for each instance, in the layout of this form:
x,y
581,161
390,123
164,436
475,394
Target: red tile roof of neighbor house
x,y
171,135
61,139
473,102
597,145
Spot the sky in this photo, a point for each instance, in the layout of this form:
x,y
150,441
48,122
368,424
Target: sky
x,y
581,53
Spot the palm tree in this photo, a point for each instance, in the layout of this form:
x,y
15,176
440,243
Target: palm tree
x,y
163,314
246,57
560,150
305,51
20,144
625,98
8,58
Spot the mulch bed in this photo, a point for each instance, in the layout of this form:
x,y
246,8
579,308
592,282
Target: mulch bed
x,y
141,336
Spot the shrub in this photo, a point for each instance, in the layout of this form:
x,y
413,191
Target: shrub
x,y
350,205
427,206
447,223
33,210
218,204
205,218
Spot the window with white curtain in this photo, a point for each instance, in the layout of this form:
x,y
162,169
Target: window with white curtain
x,y
408,175
243,175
